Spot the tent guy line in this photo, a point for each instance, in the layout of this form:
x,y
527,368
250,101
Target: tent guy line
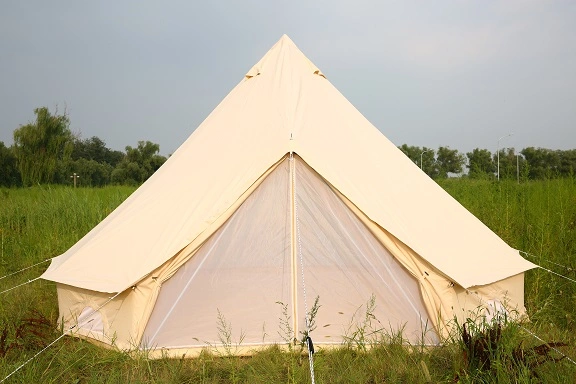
x,y
26,268
78,324
532,333
35,356
551,346
20,285
548,270
569,269
539,257
310,353
523,252
304,288
557,274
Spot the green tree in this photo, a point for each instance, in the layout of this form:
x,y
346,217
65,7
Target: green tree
x,y
95,149
448,161
543,163
480,164
93,161
567,163
138,164
40,147
91,172
422,157
9,175
413,153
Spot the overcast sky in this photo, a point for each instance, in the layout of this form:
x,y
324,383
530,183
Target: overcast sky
x,y
426,73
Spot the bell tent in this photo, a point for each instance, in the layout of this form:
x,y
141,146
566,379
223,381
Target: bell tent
x,y
284,194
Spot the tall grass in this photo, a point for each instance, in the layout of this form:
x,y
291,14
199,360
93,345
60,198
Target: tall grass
x,y
37,224
537,217
41,222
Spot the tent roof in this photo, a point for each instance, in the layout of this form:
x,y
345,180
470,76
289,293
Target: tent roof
x,y
283,104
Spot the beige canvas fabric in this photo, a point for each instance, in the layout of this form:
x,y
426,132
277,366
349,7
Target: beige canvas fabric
x,y
283,105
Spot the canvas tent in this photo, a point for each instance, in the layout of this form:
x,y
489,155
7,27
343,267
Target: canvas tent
x,y
283,194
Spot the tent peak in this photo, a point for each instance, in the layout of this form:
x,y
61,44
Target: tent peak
x,y
282,55
285,39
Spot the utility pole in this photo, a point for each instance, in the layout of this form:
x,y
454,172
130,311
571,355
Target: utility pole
x,y
498,154
423,152
75,176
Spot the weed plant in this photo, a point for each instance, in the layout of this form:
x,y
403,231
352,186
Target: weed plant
x,y
536,217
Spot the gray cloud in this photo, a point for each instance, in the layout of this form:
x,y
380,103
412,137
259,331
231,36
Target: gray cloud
x,y
456,73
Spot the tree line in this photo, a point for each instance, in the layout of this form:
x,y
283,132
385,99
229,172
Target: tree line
x,y
528,164
47,152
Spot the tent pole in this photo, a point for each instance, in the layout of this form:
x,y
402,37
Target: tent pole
x,y
293,263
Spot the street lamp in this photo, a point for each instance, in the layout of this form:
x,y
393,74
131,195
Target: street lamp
x,y
498,154
423,152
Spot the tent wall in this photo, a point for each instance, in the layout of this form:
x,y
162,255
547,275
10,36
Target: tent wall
x,y
444,299
480,300
252,263
118,318
249,266
236,277
125,317
346,266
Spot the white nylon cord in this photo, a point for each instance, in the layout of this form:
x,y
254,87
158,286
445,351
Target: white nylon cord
x,y
551,347
23,269
299,245
557,274
530,255
33,357
19,285
528,331
560,265
550,271
61,336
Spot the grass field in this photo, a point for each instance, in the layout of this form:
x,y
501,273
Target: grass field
x,y
42,222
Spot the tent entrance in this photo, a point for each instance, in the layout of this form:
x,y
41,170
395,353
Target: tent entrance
x,y
247,277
